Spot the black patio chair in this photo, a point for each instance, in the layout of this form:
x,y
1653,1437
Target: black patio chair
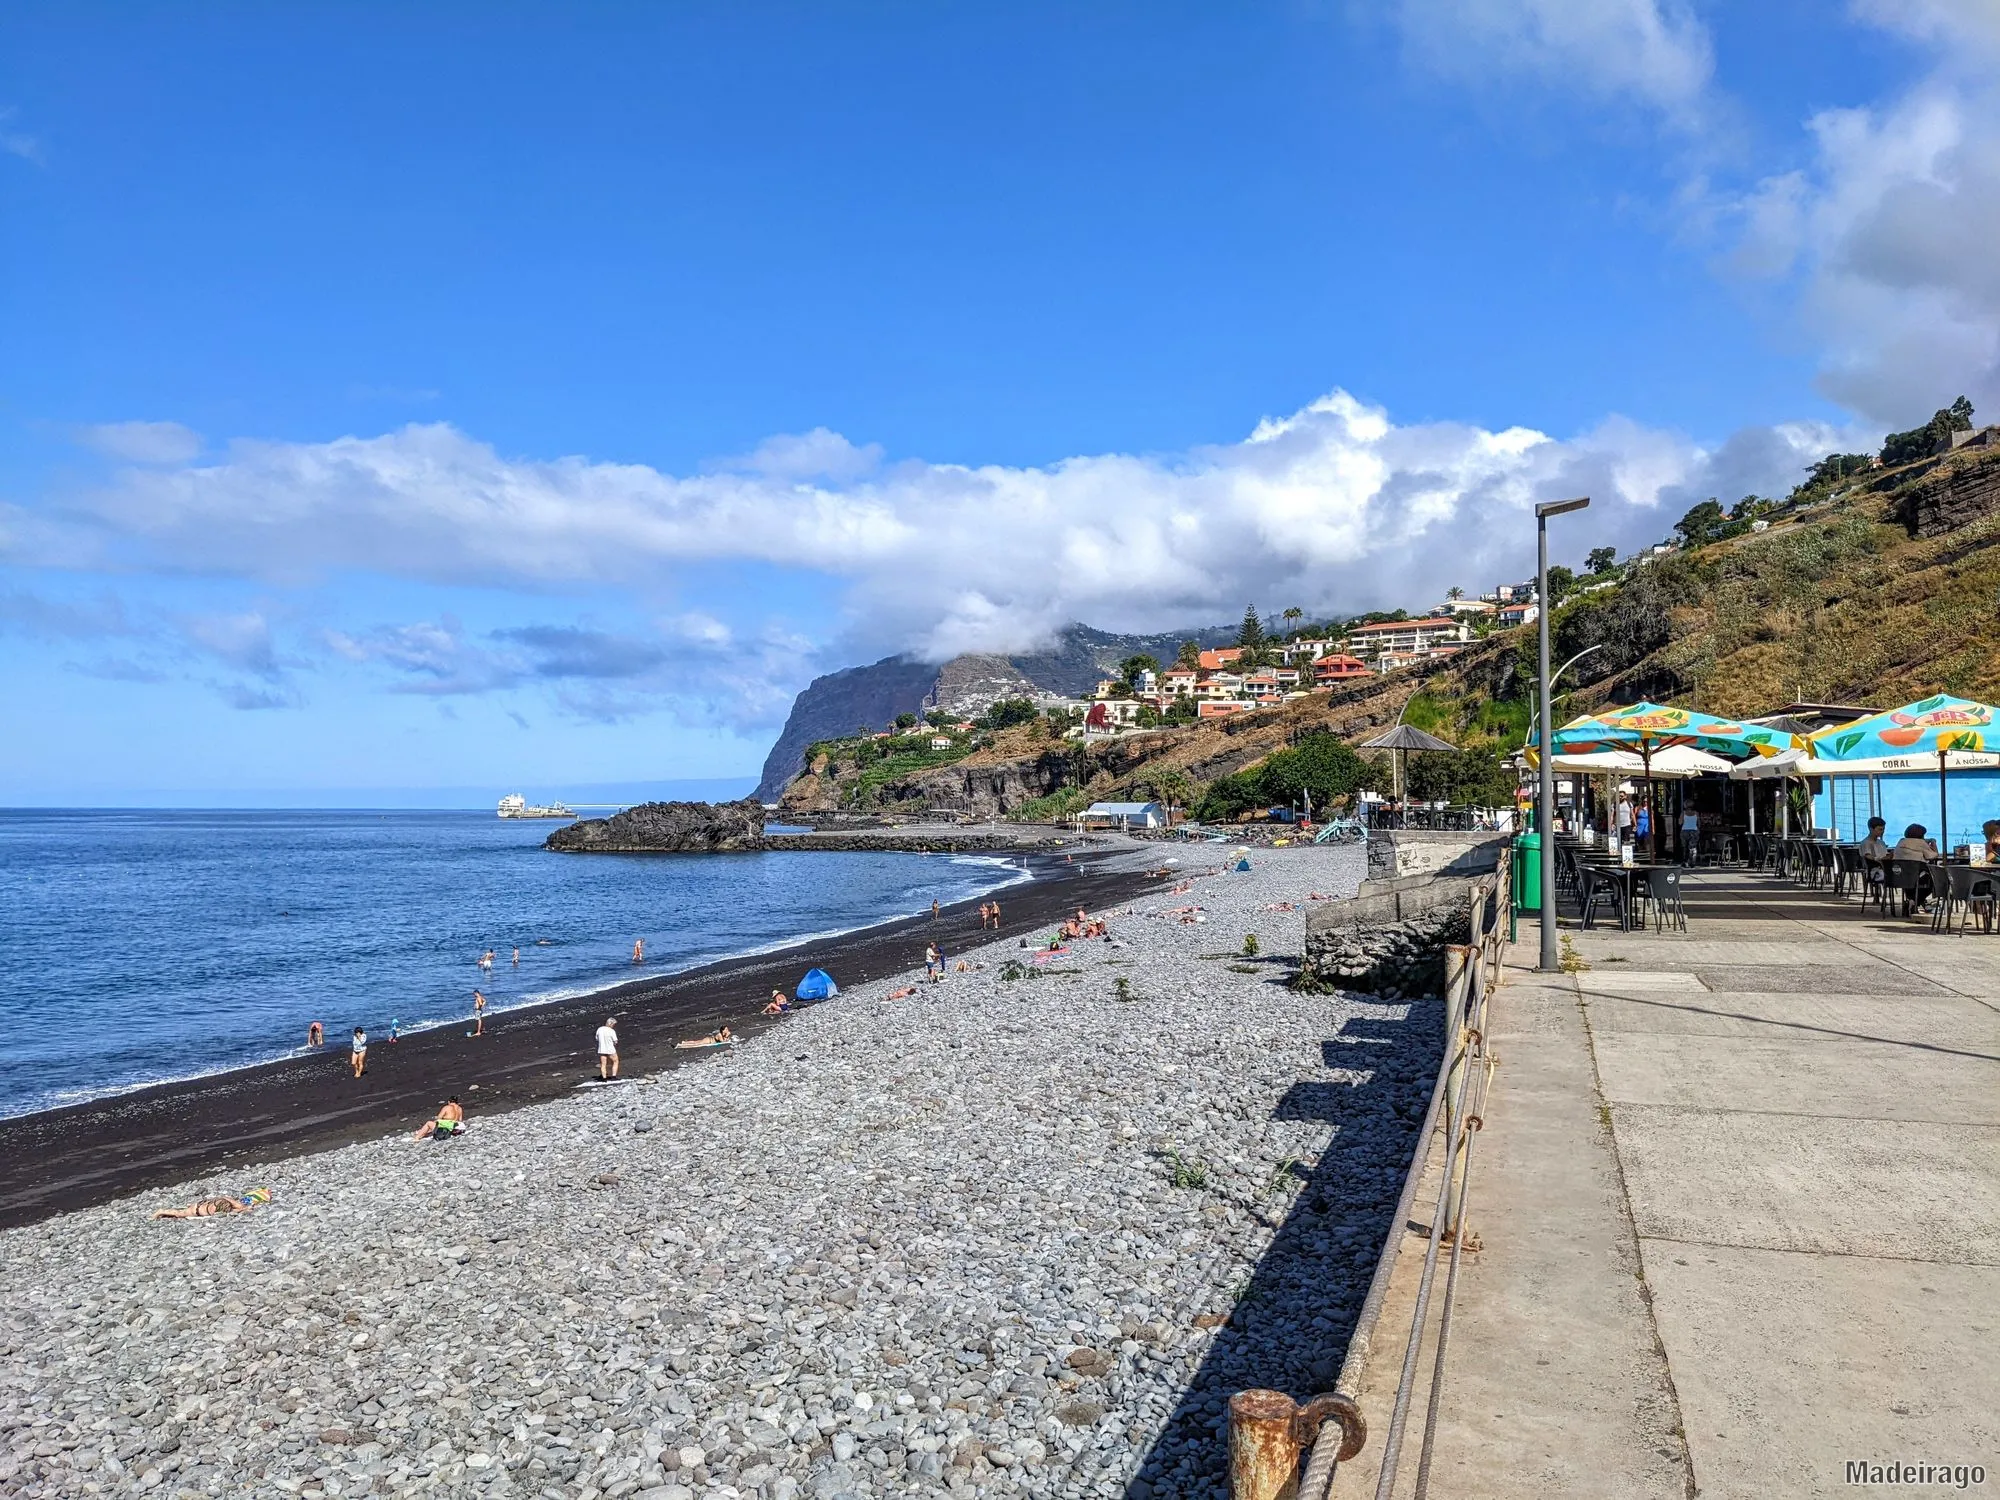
x,y
1906,878
1848,872
1963,889
1662,887
1598,886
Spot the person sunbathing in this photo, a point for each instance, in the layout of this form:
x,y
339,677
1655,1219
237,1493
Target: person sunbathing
x,y
903,994
209,1207
779,1004
721,1037
450,1121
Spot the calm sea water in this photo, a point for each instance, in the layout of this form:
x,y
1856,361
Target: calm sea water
x,y
140,946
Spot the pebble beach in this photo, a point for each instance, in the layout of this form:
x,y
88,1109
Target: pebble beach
x,y
1021,1232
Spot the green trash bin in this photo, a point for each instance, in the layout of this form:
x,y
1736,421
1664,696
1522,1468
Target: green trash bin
x,y
1528,872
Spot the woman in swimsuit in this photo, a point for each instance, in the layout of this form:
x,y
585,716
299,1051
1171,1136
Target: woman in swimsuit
x,y
718,1038
208,1207
315,1035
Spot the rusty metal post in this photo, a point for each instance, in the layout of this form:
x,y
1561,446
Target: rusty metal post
x,y
1462,990
1263,1446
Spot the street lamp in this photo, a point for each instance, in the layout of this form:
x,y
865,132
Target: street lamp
x,y
1545,803
1532,721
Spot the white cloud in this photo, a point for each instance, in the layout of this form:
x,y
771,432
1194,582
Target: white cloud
x,y
1973,25
19,142
1889,237
1334,506
143,442
243,641
1655,52
693,667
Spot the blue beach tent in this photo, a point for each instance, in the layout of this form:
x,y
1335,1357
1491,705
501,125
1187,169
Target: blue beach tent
x,y
817,985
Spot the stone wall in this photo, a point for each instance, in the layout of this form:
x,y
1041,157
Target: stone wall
x,y
1398,854
1388,942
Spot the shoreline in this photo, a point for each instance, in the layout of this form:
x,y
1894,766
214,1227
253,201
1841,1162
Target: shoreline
x,y
592,993
78,1155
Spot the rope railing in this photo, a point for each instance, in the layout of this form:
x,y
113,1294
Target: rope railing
x,y
1269,1432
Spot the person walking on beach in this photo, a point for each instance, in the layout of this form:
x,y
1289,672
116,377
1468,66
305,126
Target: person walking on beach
x,y
358,1058
931,962
996,916
607,1049
315,1035
478,1014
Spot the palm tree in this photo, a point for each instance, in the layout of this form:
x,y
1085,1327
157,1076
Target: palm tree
x,y
1292,618
1454,592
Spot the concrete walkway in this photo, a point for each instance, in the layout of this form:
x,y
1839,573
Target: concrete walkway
x,y
1738,1201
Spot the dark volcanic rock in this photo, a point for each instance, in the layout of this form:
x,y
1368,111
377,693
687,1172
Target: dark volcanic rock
x,y
667,828
1954,494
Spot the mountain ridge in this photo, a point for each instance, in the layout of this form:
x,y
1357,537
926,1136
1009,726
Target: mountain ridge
x,y
870,697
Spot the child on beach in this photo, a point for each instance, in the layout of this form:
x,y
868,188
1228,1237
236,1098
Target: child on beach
x,y
358,1059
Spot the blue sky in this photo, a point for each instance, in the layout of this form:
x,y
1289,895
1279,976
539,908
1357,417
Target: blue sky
x,y
530,397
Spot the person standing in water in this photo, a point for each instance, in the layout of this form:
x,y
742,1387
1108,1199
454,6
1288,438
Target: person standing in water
x,y
486,959
639,951
478,1013
517,958
607,1048
315,1035
358,1058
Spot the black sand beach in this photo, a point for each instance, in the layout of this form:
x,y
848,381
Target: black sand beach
x,y
69,1158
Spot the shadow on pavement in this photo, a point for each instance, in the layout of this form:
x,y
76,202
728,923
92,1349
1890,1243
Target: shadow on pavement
x,y
1291,1322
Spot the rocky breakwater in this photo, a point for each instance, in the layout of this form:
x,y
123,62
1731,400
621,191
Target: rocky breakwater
x,y
1020,1233
667,828
1390,938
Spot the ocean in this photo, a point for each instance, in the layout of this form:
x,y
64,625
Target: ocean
x,y
141,946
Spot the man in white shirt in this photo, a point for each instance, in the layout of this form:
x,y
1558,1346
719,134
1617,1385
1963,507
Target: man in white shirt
x,y
607,1048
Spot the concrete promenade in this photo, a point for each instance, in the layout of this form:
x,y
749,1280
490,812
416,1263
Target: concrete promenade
x,y
1737,1204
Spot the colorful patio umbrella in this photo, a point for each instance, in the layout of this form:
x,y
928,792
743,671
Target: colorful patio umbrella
x,y
1651,727
1941,726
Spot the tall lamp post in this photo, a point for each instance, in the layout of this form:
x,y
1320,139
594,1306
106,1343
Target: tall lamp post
x,y
1545,803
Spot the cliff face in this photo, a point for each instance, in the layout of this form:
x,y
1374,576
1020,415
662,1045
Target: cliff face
x,y
1963,489
838,704
667,828
841,702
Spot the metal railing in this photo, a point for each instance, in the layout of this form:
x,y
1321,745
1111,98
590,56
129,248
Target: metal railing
x,y
1269,1433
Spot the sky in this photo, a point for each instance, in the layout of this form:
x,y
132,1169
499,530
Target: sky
x,y
436,401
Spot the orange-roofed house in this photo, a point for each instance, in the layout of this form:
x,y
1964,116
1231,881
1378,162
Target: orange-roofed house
x,y
1338,668
1222,656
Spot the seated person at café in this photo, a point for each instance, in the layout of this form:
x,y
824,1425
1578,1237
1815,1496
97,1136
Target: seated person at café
x,y
1875,847
1991,828
1914,845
